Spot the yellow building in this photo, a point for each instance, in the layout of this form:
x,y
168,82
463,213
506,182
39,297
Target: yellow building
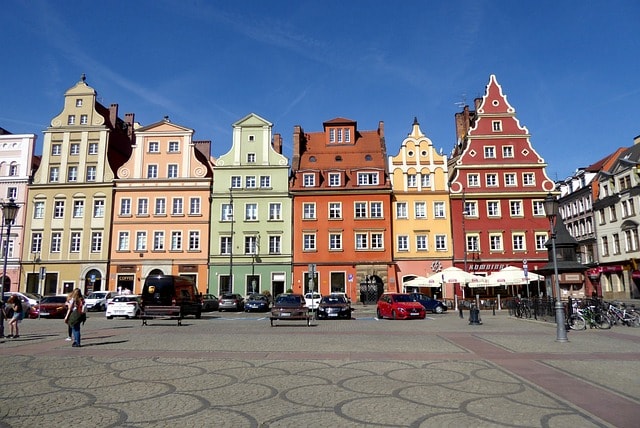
x,y
421,220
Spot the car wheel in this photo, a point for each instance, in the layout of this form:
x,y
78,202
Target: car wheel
x,y
438,310
380,315
393,315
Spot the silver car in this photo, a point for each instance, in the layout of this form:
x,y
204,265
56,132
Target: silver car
x,y
231,302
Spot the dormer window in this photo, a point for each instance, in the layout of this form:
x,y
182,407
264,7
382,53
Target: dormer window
x,y
347,135
334,179
367,178
332,135
309,180
339,135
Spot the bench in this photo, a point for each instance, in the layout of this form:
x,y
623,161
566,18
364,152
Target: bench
x,y
306,318
166,312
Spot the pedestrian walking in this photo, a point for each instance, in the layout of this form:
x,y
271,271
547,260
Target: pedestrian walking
x,y
69,329
75,315
16,305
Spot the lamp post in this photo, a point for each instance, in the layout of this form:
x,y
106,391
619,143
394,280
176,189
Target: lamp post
x,y
231,241
9,211
551,209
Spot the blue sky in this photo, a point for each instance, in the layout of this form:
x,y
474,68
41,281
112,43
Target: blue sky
x,y
569,68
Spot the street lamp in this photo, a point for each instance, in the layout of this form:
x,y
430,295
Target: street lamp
x,y
551,209
9,211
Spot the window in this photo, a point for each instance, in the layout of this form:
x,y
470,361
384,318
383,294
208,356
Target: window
x,y
84,119
515,208
332,135
251,212
154,147
425,180
360,209
226,212
376,209
403,243
194,206
177,206
275,211
125,207
624,183
473,243
495,242
71,119
250,182
441,242
541,239
367,178
421,243
601,217
74,149
56,242
12,192
174,146
93,149
489,152
176,240
91,173
339,130
78,209
518,242
492,180
335,210
308,211
72,174
401,210
265,182
158,241
123,241
471,208
335,241
362,241
143,206
172,171
251,138
493,208
438,210
473,180
412,180
308,180
616,244
496,125
528,179
275,245
96,242
54,174
251,158
38,209
347,135
58,209
334,179
631,240
225,245
98,208
152,171
194,240
308,242
538,208
78,102
161,206
141,241
236,182
56,149
36,242
507,151
604,242
75,242
510,179
13,170
377,241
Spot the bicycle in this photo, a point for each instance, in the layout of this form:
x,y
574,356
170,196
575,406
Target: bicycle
x,y
589,315
623,316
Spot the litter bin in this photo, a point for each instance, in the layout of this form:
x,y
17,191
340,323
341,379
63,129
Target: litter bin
x,y
474,315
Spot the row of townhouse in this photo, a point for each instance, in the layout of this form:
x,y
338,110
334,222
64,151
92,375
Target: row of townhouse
x,y
111,202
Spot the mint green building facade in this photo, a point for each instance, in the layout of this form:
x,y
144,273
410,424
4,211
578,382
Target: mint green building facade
x,y
250,247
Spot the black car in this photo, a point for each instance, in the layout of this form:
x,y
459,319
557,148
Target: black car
x,y
334,306
210,303
257,303
429,303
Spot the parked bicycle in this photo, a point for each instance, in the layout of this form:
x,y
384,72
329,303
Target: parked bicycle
x,y
622,315
589,315
520,308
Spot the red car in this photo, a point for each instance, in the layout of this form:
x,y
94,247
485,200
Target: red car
x,y
399,306
53,307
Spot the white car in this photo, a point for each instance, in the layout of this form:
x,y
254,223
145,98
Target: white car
x,y
28,300
124,306
98,300
312,300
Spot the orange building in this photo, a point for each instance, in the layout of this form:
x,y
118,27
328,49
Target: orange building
x,y
341,211
161,208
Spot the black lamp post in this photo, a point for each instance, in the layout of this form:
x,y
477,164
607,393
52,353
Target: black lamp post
x,y
9,212
551,210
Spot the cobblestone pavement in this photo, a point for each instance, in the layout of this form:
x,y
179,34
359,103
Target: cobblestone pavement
x,y
234,370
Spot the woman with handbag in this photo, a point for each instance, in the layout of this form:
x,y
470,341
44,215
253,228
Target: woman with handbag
x,y
75,314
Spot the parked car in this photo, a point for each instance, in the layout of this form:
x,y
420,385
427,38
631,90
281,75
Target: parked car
x,y
288,307
429,303
97,301
334,306
53,306
257,303
399,306
29,303
210,303
127,306
231,302
312,300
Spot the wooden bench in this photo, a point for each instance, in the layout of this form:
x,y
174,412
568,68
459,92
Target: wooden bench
x,y
166,312
306,318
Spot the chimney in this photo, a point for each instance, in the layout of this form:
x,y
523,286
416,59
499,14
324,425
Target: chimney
x,y
113,115
297,134
277,143
636,140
